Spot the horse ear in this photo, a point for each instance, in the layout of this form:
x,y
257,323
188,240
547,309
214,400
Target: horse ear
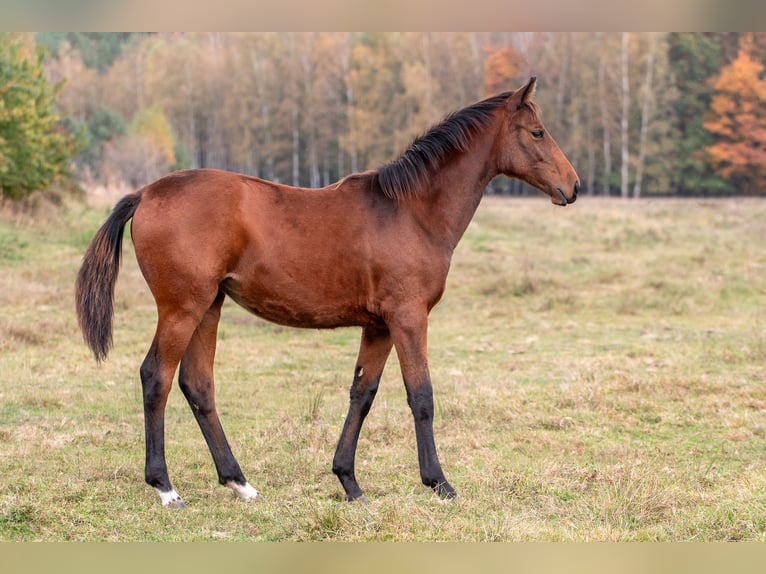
x,y
523,94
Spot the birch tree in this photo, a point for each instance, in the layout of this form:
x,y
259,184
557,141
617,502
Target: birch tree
x,y
625,99
605,121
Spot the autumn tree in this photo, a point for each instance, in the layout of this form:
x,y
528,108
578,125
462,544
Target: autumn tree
x,y
330,94
146,152
737,118
655,131
457,69
98,50
501,69
754,43
373,114
309,108
693,58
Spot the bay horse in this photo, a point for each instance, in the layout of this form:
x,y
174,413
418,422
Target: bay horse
x,y
372,250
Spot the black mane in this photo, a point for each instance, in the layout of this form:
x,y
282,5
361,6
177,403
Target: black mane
x,y
401,177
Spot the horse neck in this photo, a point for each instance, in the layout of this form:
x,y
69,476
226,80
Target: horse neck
x,y
454,192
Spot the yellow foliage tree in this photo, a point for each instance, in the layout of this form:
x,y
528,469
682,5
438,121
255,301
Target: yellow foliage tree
x,y
154,127
145,153
501,70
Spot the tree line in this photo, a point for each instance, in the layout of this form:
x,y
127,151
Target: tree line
x,y
637,113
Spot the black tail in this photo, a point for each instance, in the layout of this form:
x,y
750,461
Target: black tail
x,y
94,289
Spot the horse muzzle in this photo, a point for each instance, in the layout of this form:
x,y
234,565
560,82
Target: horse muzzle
x,y
560,197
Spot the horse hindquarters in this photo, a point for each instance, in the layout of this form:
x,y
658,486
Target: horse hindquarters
x,y
183,273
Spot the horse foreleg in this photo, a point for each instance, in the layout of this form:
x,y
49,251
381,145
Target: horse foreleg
x,y
373,352
409,333
196,381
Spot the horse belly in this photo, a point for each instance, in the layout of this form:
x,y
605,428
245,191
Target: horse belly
x,y
296,304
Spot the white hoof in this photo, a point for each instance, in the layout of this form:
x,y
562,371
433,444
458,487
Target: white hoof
x,y
171,499
246,492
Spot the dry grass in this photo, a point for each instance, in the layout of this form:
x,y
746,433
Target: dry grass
x,y
598,374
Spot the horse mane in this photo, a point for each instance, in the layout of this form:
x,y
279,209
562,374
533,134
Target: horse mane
x,y
402,177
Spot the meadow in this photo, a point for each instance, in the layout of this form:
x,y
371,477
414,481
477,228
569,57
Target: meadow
x,y
599,375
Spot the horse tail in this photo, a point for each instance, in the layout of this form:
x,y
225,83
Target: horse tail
x,y
94,288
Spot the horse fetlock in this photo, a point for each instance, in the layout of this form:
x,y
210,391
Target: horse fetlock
x,y
348,481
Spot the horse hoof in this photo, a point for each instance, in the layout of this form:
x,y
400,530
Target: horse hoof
x,y
445,491
171,499
362,499
246,492
258,498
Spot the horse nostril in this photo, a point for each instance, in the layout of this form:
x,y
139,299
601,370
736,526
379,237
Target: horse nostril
x,y
576,188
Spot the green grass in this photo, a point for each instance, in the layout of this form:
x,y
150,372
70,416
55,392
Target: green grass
x,y
598,372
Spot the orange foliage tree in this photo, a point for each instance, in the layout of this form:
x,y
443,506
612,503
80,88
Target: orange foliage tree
x,y
501,69
737,118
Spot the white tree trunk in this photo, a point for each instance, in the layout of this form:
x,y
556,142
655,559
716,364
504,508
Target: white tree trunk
x,y
296,148
624,117
346,67
607,142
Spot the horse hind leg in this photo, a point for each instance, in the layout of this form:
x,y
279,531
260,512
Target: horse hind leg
x,y
157,372
197,384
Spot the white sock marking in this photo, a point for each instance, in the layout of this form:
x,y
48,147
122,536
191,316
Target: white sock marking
x,y
245,492
169,497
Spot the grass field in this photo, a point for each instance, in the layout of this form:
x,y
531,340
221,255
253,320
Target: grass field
x,y
599,374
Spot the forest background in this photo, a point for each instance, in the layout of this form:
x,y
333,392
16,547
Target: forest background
x,y
637,113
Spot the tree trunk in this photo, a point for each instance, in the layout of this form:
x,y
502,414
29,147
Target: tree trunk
x,y
426,45
310,110
605,127
192,116
296,148
563,77
590,177
267,153
295,116
346,67
646,110
624,117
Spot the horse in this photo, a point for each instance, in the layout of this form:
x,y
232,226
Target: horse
x,y
372,250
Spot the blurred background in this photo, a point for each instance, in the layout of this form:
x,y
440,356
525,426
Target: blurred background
x,y
671,114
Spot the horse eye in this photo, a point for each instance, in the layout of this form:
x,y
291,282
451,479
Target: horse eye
x,y
537,134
